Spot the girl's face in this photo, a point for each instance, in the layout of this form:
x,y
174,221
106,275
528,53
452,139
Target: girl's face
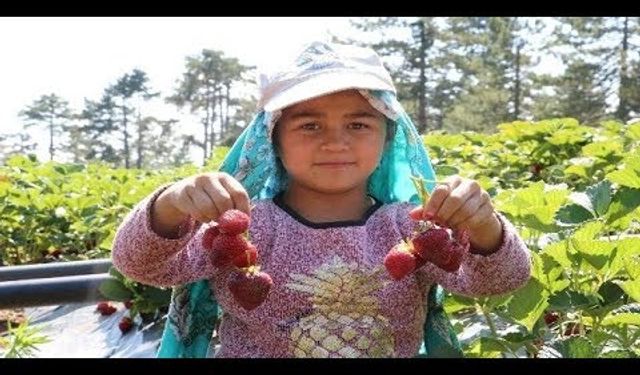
x,y
332,143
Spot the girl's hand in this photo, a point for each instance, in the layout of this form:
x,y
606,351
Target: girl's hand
x,y
204,197
460,203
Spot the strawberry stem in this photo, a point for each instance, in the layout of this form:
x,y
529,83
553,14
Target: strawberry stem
x,y
419,183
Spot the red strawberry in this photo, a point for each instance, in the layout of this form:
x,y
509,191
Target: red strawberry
x,y
250,288
551,317
572,329
225,248
400,261
247,259
437,246
420,261
432,245
233,222
105,308
125,324
209,235
456,253
535,169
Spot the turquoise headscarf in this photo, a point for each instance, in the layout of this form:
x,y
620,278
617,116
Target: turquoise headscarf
x,y
194,312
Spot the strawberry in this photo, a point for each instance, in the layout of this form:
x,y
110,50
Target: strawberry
x,y
429,243
420,261
105,308
250,288
535,169
209,235
128,304
551,318
572,329
432,245
225,248
247,259
455,258
400,261
233,222
125,324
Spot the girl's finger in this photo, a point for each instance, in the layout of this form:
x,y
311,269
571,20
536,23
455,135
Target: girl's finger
x,y
457,198
238,193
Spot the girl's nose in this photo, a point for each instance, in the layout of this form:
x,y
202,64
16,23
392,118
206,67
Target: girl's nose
x,y
335,140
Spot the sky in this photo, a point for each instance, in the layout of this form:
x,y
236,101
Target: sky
x,y
78,58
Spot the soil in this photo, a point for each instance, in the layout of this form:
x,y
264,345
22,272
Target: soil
x,y
14,316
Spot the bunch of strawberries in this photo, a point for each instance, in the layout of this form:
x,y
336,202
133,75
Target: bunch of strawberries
x,y
429,242
229,246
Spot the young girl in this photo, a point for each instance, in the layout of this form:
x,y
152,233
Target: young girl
x,y
324,171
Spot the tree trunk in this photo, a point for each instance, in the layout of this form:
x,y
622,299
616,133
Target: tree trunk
x,y
226,106
205,124
623,89
516,94
422,97
140,140
125,134
51,139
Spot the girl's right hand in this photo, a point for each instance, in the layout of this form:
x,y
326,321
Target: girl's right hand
x,y
203,196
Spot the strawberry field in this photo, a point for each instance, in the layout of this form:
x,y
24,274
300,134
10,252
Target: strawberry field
x,y
572,191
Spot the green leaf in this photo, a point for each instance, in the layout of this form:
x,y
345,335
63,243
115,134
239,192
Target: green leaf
x,y
624,201
611,293
617,354
629,174
632,266
455,303
588,231
627,258
600,196
534,206
578,170
602,149
528,304
573,214
576,347
446,170
632,288
480,349
114,290
156,296
571,300
596,252
622,319
492,302
560,252
633,131
115,273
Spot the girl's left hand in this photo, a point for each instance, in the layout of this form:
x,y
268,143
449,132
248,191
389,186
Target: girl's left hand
x,y
460,203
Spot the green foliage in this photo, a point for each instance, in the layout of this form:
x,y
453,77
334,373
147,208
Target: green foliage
x,y
63,212
581,221
21,341
574,193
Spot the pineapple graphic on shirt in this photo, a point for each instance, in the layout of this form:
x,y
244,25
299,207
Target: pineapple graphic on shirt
x,y
345,320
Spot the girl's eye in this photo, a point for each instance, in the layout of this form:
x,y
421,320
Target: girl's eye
x,y
358,125
309,126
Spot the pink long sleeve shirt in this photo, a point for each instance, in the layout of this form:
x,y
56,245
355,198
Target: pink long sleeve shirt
x,y
330,295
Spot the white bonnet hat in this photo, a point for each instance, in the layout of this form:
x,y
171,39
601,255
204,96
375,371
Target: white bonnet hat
x,y
319,69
